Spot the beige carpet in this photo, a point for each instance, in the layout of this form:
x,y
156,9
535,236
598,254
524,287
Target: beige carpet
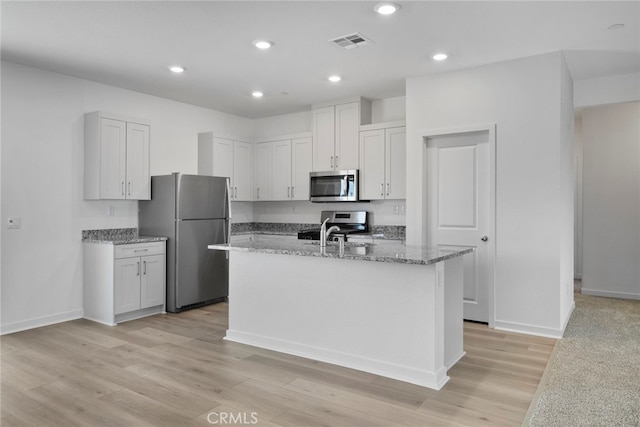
x,y
593,377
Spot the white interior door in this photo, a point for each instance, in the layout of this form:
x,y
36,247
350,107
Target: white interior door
x,y
458,210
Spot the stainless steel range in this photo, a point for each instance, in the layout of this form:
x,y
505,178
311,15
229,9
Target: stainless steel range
x,y
348,222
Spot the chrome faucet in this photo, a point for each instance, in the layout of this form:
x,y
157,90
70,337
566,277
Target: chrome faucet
x,y
324,233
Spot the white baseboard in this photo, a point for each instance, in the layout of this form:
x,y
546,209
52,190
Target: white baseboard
x,y
566,320
522,328
610,294
435,380
40,321
456,359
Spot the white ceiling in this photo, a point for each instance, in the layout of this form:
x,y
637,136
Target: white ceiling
x,y
131,44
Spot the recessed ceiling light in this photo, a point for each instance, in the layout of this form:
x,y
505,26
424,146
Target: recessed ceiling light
x,y
177,69
440,56
257,94
335,79
386,8
263,44
615,26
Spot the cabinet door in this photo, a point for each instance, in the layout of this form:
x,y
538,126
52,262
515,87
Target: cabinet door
x,y
395,187
223,158
242,170
127,285
113,154
372,165
281,172
323,138
347,136
152,284
264,162
301,164
138,185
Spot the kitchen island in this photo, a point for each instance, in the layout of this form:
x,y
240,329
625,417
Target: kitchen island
x,y
388,309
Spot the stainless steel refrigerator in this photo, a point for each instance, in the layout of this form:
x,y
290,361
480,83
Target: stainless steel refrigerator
x,y
193,211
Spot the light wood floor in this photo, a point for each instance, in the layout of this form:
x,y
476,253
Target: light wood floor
x,y
175,370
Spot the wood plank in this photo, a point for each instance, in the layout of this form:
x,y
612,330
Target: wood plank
x,y
174,369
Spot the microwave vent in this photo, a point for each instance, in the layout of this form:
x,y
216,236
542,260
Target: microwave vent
x,y
351,41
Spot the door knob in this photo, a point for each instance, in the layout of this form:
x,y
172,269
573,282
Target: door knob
x,y
484,238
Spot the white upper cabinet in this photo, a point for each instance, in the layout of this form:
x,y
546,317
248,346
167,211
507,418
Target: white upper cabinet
x,y
228,157
264,166
138,184
242,170
372,159
347,129
323,138
282,169
335,134
301,164
382,164
281,172
116,157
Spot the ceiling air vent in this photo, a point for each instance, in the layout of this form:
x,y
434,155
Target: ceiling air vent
x,y
352,40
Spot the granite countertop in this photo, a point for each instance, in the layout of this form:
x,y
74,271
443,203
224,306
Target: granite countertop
x,y
379,232
118,236
395,253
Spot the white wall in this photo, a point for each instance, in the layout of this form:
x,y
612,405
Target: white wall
x,y
566,196
382,110
381,212
389,110
285,124
611,200
42,175
607,90
577,263
526,99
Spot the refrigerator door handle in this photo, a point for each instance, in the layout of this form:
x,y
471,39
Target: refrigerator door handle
x,y
228,199
229,216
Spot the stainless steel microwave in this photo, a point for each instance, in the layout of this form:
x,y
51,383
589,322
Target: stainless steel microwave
x,y
334,186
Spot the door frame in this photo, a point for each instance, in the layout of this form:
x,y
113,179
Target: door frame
x,y
491,233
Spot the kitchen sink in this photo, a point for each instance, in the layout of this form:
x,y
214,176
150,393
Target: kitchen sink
x,y
346,244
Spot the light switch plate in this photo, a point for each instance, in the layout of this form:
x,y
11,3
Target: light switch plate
x,y
14,222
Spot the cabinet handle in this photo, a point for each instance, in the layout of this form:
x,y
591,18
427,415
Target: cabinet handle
x,y
336,161
140,250
235,193
123,188
387,188
138,268
292,192
129,187
381,189
144,264
258,194
288,192
331,162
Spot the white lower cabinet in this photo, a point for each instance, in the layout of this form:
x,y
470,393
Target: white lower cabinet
x,y
123,282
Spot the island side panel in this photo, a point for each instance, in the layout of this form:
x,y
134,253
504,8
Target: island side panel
x,y
453,310
384,318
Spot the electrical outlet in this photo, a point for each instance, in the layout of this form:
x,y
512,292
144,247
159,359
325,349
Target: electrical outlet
x,y
396,209
111,210
14,222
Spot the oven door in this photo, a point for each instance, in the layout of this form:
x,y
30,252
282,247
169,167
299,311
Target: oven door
x,y
334,186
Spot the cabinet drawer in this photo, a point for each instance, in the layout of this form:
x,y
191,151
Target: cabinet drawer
x,y
139,249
